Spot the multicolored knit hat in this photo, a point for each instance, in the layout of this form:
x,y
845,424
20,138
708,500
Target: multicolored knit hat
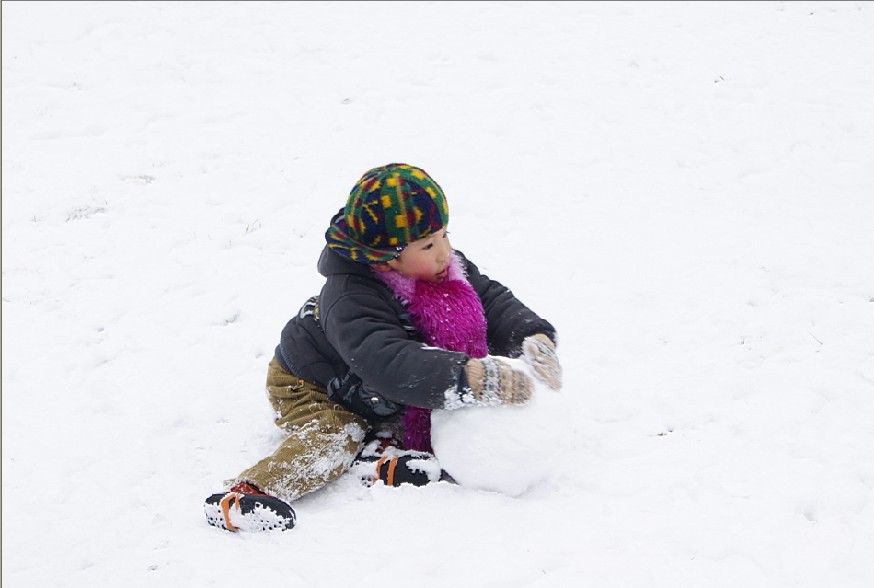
x,y
389,208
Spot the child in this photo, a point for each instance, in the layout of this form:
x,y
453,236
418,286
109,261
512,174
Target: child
x,y
403,325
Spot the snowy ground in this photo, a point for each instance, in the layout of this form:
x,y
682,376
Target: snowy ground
x,y
684,189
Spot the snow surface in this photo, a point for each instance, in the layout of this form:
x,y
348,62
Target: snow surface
x,y
684,189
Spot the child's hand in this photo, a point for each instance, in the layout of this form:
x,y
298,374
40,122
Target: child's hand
x,y
538,351
496,382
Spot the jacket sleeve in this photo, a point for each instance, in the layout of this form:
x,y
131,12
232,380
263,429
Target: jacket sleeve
x,y
365,330
509,320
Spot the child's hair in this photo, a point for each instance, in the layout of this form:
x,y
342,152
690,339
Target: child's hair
x,y
388,208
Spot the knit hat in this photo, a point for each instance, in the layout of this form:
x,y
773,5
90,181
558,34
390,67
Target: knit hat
x,y
389,208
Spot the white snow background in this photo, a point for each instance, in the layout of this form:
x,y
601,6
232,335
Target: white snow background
x,y
684,189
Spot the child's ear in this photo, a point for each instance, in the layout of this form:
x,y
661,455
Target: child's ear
x,y
381,267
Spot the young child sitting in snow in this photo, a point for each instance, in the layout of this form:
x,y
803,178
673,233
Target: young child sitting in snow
x,y
403,325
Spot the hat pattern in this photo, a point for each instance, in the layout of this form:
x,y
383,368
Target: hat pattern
x,y
388,208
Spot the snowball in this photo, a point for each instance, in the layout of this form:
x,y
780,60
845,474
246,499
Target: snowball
x,y
506,449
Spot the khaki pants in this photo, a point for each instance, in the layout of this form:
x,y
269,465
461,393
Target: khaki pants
x,y
323,439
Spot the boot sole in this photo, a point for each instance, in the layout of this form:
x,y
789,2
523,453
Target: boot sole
x,y
251,514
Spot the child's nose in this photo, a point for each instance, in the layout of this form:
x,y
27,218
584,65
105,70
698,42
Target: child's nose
x,y
445,249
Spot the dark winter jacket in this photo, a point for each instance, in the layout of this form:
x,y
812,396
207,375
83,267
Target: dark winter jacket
x,y
356,340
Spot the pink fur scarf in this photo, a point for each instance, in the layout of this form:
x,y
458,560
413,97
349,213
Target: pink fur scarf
x,y
449,315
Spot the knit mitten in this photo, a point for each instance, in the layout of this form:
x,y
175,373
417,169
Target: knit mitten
x,y
493,381
538,351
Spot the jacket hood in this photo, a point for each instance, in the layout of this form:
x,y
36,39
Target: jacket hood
x,y
332,263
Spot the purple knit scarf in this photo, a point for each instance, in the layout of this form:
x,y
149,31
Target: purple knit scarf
x,y
450,315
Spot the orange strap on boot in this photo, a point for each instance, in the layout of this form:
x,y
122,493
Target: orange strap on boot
x,y
226,506
390,476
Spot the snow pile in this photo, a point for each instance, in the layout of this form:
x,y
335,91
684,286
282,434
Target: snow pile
x,y
506,449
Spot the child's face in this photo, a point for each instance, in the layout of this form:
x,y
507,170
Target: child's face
x,y
425,259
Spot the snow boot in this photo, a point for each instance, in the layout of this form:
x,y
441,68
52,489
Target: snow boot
x,y
245,508
382,460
